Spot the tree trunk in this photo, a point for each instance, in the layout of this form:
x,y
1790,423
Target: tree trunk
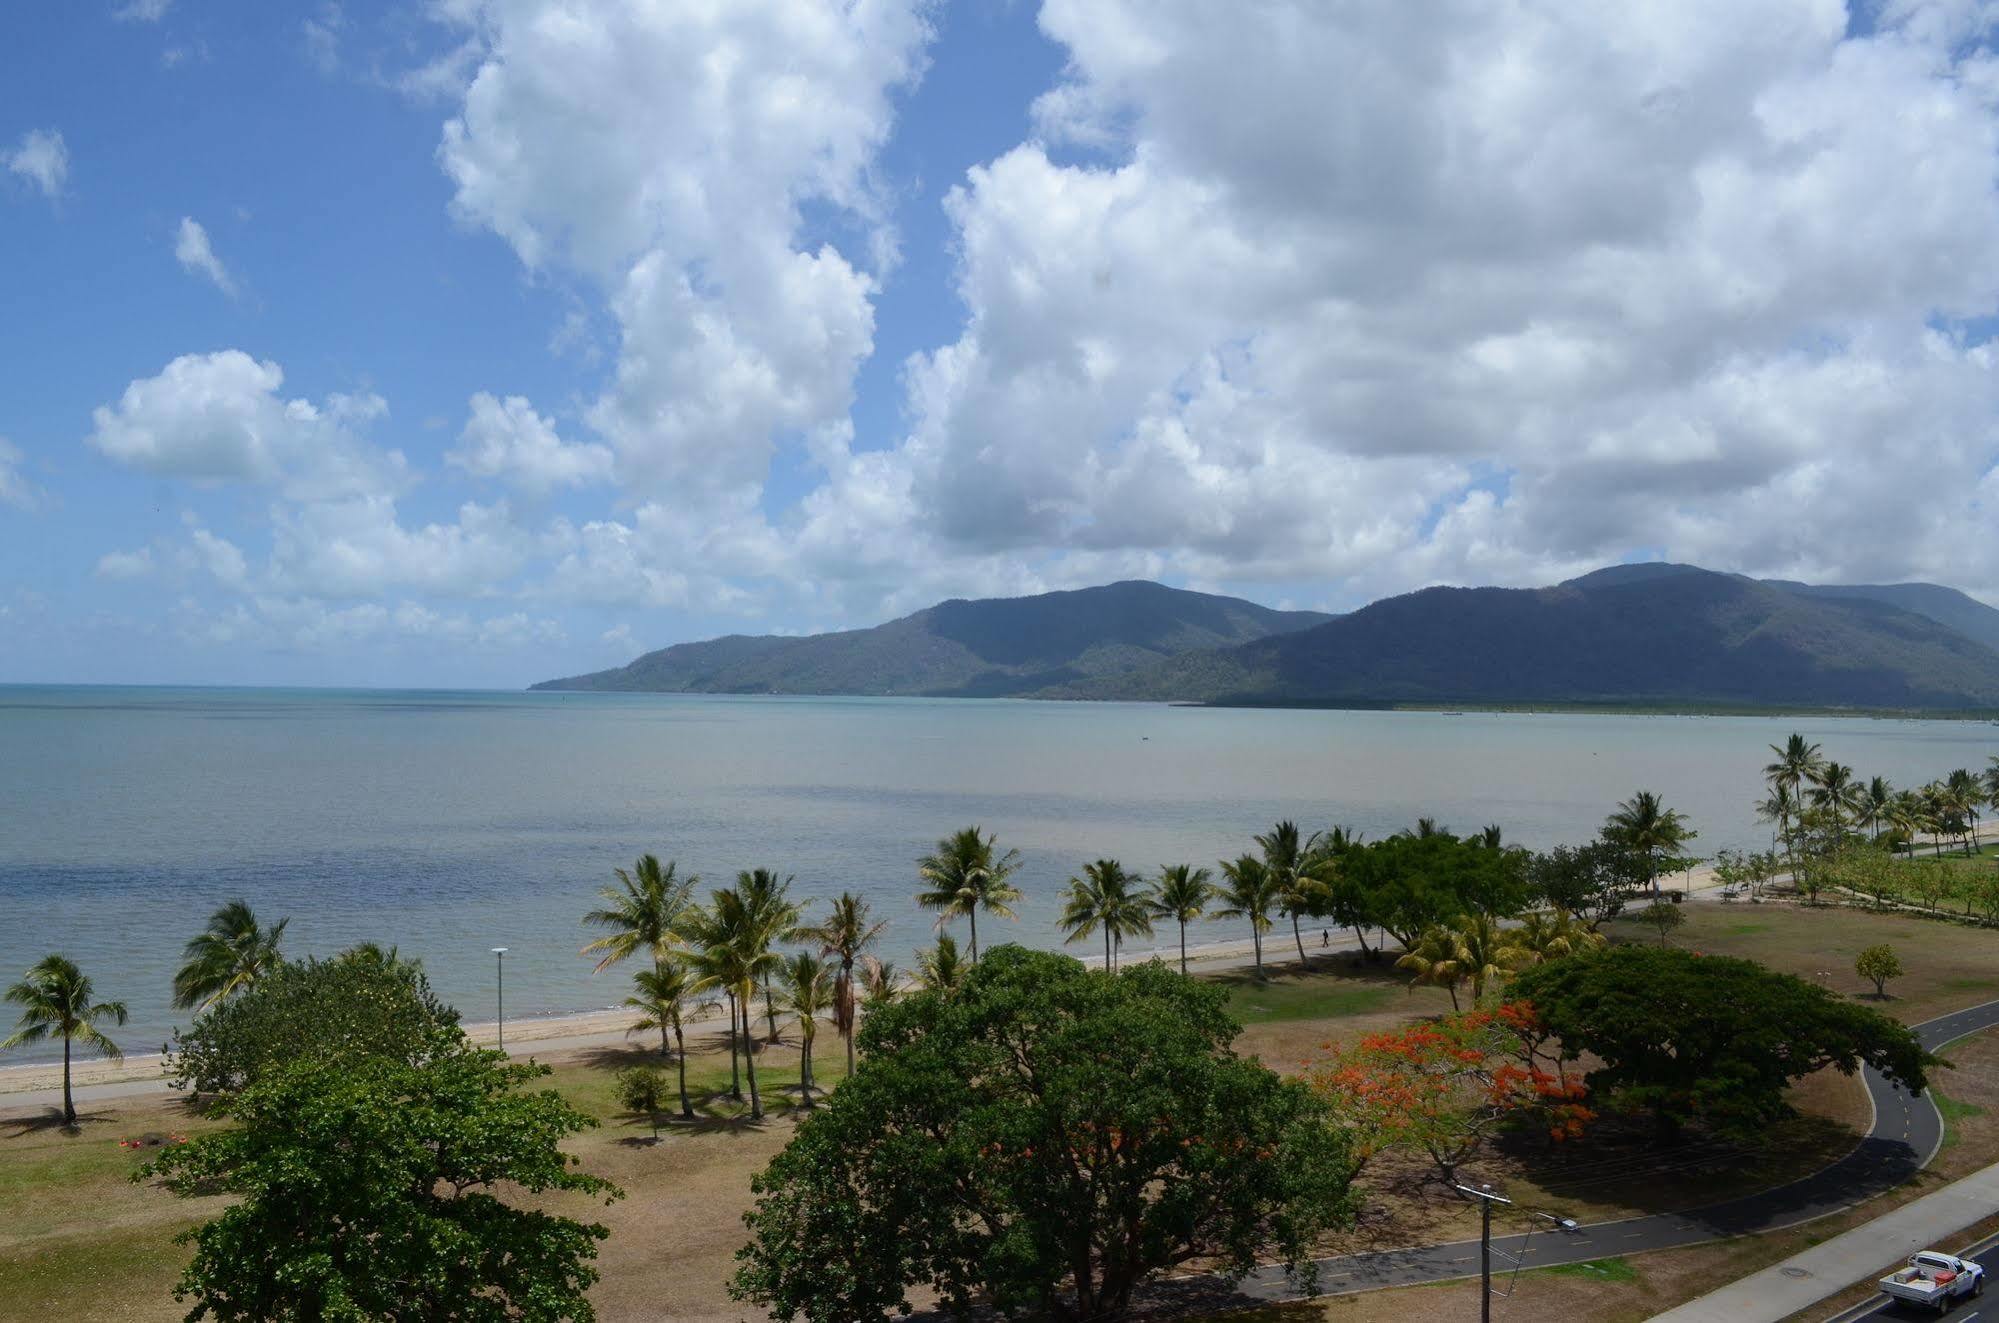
x,y
1110,962
686,1111
665,1050
1256,936
1183,948
973,915
853,1014
1297,937
805,1067
735,1074
750,1067
1360,935
68,1102
770,1009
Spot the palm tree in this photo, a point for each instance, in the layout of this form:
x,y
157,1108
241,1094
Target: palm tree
x,y
1544,936
661,998
1301,872
1250,893
1833,789
1966,794
733,941
1936,813
229,955
849,930
1487,951
1643,823
1104,898
643,913
1181,893
1797,762
1778,808
56,998
1874,803
1436,959
941,969
881,982
1992,784
773,915
808,988
965,875
1906,815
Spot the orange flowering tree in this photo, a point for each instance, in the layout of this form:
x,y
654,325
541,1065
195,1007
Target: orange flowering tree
x,y
1445,1087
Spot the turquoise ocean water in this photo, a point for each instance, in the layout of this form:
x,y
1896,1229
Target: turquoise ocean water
x,y
449,823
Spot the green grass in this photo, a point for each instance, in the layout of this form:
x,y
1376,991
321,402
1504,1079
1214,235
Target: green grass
x,y
1595,1270
1745,929
119,1273
1310,998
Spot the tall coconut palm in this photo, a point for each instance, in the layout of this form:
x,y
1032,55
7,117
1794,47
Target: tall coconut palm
x,y
1643,823
1301,872
1906,814
1874,802
1249,893
1106,898
663,997
774,915
1180,893
941,968
1992,784
966,874
643,913
1778,808
1967,796
1936,816
849,930
1797,762
56,998
734,954
808,994
230,954
1834,790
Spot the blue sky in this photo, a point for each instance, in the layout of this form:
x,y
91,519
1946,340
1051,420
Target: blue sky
x,y
476,341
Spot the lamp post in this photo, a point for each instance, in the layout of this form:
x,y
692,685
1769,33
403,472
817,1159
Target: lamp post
x,y
500,990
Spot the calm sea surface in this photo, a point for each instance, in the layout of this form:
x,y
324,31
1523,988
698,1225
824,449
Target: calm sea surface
x,y
449,823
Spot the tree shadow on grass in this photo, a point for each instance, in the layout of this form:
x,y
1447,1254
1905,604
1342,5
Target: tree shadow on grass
x,y
52,1119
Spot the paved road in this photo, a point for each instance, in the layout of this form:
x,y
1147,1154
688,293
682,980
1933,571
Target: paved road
x,y
1985,1253
1906,1133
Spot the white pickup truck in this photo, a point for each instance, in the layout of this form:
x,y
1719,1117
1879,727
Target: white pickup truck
x,y
1936,1280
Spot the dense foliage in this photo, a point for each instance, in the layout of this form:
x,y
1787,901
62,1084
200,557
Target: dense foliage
x,y
1408,883
1041,1138
364,1190
1707,1039
355,1007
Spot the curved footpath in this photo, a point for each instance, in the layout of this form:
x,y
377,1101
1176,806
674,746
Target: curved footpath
x,y
1905,1136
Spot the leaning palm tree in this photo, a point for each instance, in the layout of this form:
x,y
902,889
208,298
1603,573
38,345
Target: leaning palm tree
x,y
941,969
662,997
966,874
1302,872
1643,823
643,913
774,915
808,994
229,955
55,997
849,930
1104,898
1181,892
1249,893
1436,959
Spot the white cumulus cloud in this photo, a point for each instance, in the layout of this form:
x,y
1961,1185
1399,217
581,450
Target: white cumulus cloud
x,y
42,159
508,440
193,251
15,490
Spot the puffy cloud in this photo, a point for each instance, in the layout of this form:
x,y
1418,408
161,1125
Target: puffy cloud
x,y
508,440
219,417
125,564
669,156
142,11
358,547
41,158
192,250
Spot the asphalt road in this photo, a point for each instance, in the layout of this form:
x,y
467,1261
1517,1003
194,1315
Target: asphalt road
x,y
1906,1133
1986,1254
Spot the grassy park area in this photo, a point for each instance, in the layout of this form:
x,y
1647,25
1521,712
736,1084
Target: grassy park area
x,y
77,1236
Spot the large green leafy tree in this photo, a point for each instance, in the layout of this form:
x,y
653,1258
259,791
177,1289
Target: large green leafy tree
x,y
230,954
1408,883
354,1007
367,1191
57,1001
1044,1138
1708,1040
1586,880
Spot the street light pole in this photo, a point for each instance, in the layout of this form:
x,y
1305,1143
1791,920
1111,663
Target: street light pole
x,y
1486,1199
500,991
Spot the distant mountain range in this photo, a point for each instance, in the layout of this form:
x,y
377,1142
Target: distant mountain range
x,y
1650,634
958,649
